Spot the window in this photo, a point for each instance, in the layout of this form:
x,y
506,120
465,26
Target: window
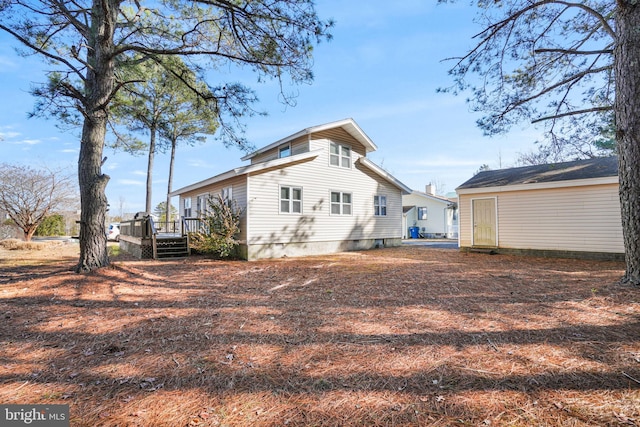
x,y
422,214
187,208
227,193
340,155
340,203
290,200
284,151
380,205
201,205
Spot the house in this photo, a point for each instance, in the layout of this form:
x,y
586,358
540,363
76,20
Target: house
x,y
434,216
563,209
313,192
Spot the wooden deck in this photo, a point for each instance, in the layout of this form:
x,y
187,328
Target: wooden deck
x,y
142,239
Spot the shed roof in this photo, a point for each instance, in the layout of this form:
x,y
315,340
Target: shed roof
x,y
553,172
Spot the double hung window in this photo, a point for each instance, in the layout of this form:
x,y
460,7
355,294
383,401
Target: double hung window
x,y
380,205
341,203
340,155
290,199
227,193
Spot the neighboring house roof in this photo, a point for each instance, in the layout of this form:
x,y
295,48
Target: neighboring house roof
x,y
432,197
349,125
602,167
244,170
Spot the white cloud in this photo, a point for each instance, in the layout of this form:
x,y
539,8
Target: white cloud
x,y
6,62
27,142
7,135
197,163
69,150
130,182
139,173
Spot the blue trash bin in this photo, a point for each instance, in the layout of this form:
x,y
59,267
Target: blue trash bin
x,y
414,232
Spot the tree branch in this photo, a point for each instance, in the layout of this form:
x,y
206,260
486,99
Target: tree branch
x,y
574,52
573,113
41,51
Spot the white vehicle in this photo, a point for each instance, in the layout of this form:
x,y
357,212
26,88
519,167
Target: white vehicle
x,y
114,231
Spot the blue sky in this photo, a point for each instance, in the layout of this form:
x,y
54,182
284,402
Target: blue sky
x,y
382,68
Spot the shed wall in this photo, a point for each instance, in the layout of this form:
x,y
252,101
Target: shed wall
x,y
579,218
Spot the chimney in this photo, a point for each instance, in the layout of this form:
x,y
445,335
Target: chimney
x,y
430,189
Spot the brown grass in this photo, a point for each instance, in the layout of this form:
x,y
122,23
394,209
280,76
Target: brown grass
x,y
19,245
405,336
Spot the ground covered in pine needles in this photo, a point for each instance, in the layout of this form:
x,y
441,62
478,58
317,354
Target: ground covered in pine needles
x,y
402,336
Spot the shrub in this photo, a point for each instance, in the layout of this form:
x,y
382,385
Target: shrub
x,y
220,229
52,225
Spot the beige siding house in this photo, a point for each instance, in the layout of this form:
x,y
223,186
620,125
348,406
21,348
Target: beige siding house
x,y
567,209
433,215
313,192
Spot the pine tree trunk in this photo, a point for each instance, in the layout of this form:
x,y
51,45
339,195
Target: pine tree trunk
x,y
150,160
93,201
99,85
170,185
627,113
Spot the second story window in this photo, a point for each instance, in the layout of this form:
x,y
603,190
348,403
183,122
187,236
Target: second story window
x,y
340,155
284,151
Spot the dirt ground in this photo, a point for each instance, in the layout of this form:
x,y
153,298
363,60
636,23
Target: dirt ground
x,y
402,336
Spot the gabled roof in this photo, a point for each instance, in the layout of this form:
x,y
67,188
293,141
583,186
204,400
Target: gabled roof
x,y
383,174
602,167
431,197
349,125
245,170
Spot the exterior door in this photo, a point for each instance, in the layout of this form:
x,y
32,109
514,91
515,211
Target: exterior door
x,y
484,222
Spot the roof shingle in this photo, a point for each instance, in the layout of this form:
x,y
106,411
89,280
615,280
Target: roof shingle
x,y
579,169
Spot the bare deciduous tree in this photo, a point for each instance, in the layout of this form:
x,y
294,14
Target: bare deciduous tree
x,y
28,195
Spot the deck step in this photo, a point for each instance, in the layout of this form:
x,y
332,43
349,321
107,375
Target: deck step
x,y
174,247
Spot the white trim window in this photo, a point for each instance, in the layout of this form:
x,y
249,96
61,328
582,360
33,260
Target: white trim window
x,y
187,207
380,205
341,203
227,193
422,213
201,205
284,151
291,200
340,155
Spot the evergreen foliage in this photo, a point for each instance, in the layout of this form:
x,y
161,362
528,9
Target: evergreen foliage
x,y
220,228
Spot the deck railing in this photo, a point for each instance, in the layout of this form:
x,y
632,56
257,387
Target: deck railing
x,y
139,227
147,228
194,225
